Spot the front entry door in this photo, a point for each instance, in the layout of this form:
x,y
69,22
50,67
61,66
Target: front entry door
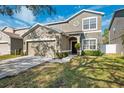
x,y
74,50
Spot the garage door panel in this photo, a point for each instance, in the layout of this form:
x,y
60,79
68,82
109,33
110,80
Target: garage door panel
x,y
44,48
4,49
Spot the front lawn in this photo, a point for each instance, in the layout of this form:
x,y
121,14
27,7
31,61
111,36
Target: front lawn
x,y
106,71
3,57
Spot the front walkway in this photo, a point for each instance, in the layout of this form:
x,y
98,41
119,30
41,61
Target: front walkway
x,y
14,66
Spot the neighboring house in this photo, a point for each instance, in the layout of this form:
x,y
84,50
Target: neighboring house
x,y
9,41
116,34
83,27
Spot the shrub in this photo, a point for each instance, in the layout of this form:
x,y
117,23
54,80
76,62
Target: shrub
x,y
77,46
65,54
82,53
92,53
61,54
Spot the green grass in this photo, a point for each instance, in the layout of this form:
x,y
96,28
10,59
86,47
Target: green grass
x,y
3,57
105,71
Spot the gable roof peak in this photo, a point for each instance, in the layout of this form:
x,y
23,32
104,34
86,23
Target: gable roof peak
x,y
74,15
7,27
92,11
116,14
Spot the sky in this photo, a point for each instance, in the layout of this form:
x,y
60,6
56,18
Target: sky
x,y
25,17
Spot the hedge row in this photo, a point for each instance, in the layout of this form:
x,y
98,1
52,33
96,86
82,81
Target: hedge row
x,y
92,53
18,52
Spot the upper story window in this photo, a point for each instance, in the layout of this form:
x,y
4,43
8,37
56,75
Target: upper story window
x,y
90,23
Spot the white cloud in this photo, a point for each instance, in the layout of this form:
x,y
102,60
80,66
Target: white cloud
x,y
9,21
25,15
22,19
106,22
55,19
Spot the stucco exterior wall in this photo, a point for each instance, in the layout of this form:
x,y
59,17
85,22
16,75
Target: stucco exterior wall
x,y
70,26
64,43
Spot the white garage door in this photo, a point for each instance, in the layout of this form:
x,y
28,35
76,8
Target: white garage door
x,y
42,48
4,48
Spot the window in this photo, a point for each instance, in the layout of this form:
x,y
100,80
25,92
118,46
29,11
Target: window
x,y
86,24
93,23
89,44
86,44
90,23
92,44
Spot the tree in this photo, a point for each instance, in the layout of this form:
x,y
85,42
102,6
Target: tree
x,y
105,36
36,9
122,37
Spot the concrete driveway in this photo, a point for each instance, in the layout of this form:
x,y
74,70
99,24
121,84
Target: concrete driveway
x,y
14,66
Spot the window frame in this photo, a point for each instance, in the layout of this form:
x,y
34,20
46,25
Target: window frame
x,y
89,43
89,18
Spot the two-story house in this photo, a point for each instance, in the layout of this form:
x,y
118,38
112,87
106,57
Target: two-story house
x,y
83,27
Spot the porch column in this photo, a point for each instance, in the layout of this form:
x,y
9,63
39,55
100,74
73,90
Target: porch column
x,y
78,39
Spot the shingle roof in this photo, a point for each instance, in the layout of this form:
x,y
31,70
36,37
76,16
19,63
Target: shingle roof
x,y
18,29
12,35
36,26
